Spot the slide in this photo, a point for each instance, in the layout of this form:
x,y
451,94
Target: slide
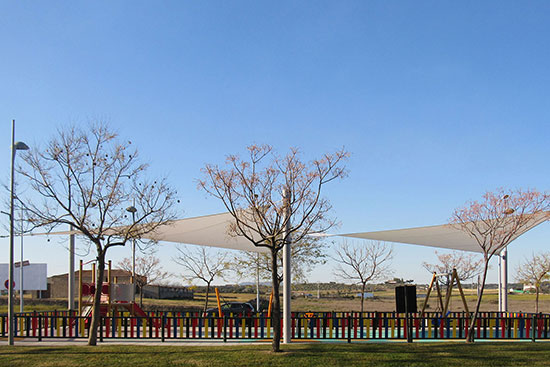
x,y
137,311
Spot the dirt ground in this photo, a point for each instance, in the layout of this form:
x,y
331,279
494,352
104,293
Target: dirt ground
x,y
302,301
383,301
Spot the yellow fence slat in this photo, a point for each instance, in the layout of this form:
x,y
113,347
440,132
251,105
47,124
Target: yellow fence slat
x,y
367,322
454,328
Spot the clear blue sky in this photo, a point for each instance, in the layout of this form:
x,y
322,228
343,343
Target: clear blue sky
x,y
438,101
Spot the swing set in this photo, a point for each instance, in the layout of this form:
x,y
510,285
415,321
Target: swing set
x,y
444,305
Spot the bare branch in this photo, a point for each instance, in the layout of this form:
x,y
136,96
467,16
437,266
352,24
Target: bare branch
x,y
363,262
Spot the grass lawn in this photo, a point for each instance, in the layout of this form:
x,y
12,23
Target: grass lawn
x,y
329,355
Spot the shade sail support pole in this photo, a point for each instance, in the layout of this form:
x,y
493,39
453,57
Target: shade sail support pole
x,y
503,286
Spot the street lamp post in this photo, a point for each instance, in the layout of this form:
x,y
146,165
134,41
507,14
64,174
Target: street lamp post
x,y
132,209
14,148
21,267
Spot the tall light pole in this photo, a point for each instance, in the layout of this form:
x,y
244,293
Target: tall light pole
x,y
503,269
14,148
132,209
21,267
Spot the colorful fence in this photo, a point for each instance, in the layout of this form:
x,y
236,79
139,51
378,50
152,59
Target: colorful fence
x,y
346,326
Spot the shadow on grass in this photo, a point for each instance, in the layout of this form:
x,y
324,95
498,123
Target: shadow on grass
x,y
385,354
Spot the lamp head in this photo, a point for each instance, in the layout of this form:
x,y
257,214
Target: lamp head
x,y
20,146
131,209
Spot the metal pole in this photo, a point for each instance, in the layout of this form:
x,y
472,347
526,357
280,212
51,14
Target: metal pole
x,y
10,277
286,274
134,261
499,283
257,282
132,209
504,279
21,268
71,287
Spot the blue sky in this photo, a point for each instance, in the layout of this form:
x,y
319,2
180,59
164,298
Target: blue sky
x,y
437,101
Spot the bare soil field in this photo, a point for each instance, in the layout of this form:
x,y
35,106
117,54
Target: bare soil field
x,y
383,301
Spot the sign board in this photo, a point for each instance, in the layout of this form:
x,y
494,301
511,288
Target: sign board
x,y
35,276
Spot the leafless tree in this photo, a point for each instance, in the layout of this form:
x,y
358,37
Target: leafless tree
x,y
305,256
148,271
274,199
467,265
534,271
496,221
86,179
203,264
363,262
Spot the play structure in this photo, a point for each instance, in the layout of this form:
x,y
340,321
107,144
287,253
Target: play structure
x,y
444,305
115,298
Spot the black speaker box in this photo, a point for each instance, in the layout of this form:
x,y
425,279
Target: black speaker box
x,y
405,293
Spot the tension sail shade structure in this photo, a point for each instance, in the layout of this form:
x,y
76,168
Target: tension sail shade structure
x,y
209,230
442,236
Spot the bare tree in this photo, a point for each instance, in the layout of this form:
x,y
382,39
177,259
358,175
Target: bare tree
x,y
495,222
273,200
467,265
534,271
363,262
148,271
203,264
305,256
85,179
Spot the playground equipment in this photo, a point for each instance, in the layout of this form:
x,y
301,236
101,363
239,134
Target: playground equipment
x,y
444,306
115,298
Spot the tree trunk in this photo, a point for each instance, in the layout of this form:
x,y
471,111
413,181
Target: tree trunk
x,y
141,297
206,298
362,295
473,320
276,308
537,300
96,307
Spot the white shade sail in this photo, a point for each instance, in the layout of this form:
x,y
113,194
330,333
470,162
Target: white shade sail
x,y
209,230
442,236
212,230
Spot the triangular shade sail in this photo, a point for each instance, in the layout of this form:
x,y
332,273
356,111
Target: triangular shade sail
x,y
209,230
442,236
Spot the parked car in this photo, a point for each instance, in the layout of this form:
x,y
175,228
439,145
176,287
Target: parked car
x,y
234,308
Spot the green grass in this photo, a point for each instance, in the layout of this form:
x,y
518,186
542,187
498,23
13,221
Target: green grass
x,y
315,354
